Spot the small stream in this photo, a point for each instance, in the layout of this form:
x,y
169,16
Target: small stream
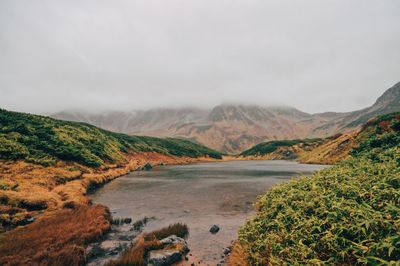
x,y
199,195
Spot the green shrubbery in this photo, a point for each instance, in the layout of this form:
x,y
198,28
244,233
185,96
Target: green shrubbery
x,y
344,215
271,146
44,140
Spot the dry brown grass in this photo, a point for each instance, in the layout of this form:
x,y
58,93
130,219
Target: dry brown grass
x,y
135,256
178,229
238,255
28,189
32,187
56,239
332,151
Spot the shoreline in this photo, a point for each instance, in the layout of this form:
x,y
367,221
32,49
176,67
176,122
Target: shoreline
x,y
74,195
42,202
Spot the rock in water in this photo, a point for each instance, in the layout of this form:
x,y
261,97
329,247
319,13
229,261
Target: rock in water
x,y
147,167
174,250
164,257
214,229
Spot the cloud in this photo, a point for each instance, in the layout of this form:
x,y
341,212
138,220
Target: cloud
x,y
314,55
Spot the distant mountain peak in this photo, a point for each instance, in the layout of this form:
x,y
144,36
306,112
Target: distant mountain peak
x,y
390,96
233,127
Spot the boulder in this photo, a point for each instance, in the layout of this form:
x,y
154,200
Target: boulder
x,y
214,229
147,167
164,257
173,239
174,250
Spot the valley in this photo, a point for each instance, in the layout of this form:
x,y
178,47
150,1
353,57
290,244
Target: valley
x,y
49,166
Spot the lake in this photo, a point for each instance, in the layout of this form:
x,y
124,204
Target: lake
x,y
199,195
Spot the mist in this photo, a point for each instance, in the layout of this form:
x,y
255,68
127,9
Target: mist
x,y
124,55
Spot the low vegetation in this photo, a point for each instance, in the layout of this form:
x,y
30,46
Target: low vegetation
x,y
45,140
46,168
282,149
348,214
59,239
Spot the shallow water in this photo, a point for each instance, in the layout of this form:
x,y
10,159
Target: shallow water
x,y
199,195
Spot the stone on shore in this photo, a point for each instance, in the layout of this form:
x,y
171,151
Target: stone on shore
x,y
214,229
174,250
147,167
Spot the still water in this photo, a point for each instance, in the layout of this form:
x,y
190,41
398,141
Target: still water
x,y
199,195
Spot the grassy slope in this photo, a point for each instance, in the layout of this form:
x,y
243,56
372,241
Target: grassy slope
x,y
44,140
347,214
272,146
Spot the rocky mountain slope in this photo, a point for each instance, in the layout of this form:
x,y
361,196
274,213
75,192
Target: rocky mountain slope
x,y
332,149
234,128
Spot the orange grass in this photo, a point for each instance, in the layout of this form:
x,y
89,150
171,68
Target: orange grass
x,y
178,229
135,256
238,256
57,239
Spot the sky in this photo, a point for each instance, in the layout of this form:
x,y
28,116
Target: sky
x,y
124,55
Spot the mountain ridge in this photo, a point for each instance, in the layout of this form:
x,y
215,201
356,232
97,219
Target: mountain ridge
x,y
232,128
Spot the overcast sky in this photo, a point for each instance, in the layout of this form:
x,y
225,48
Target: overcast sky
x,y
315,55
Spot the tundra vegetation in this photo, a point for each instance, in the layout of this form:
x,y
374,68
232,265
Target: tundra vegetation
x,y
348,214
271,146
44,140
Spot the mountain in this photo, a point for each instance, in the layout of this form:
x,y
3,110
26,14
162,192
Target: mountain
x,y
228,128
232,128
389,102
385,128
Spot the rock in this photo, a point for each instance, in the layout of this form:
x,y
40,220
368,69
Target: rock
x,y
172,239
174,250
25,221
164,257
94,251
147,167
127,220
176,241
227,250
214,229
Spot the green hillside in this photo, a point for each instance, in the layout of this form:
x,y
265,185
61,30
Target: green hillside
x,y
271,146
45,140
348,214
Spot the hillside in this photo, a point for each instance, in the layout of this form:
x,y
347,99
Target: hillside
x,y
48,166
233,128
389,102
281,149
47,163
321,151
344,215
45,140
